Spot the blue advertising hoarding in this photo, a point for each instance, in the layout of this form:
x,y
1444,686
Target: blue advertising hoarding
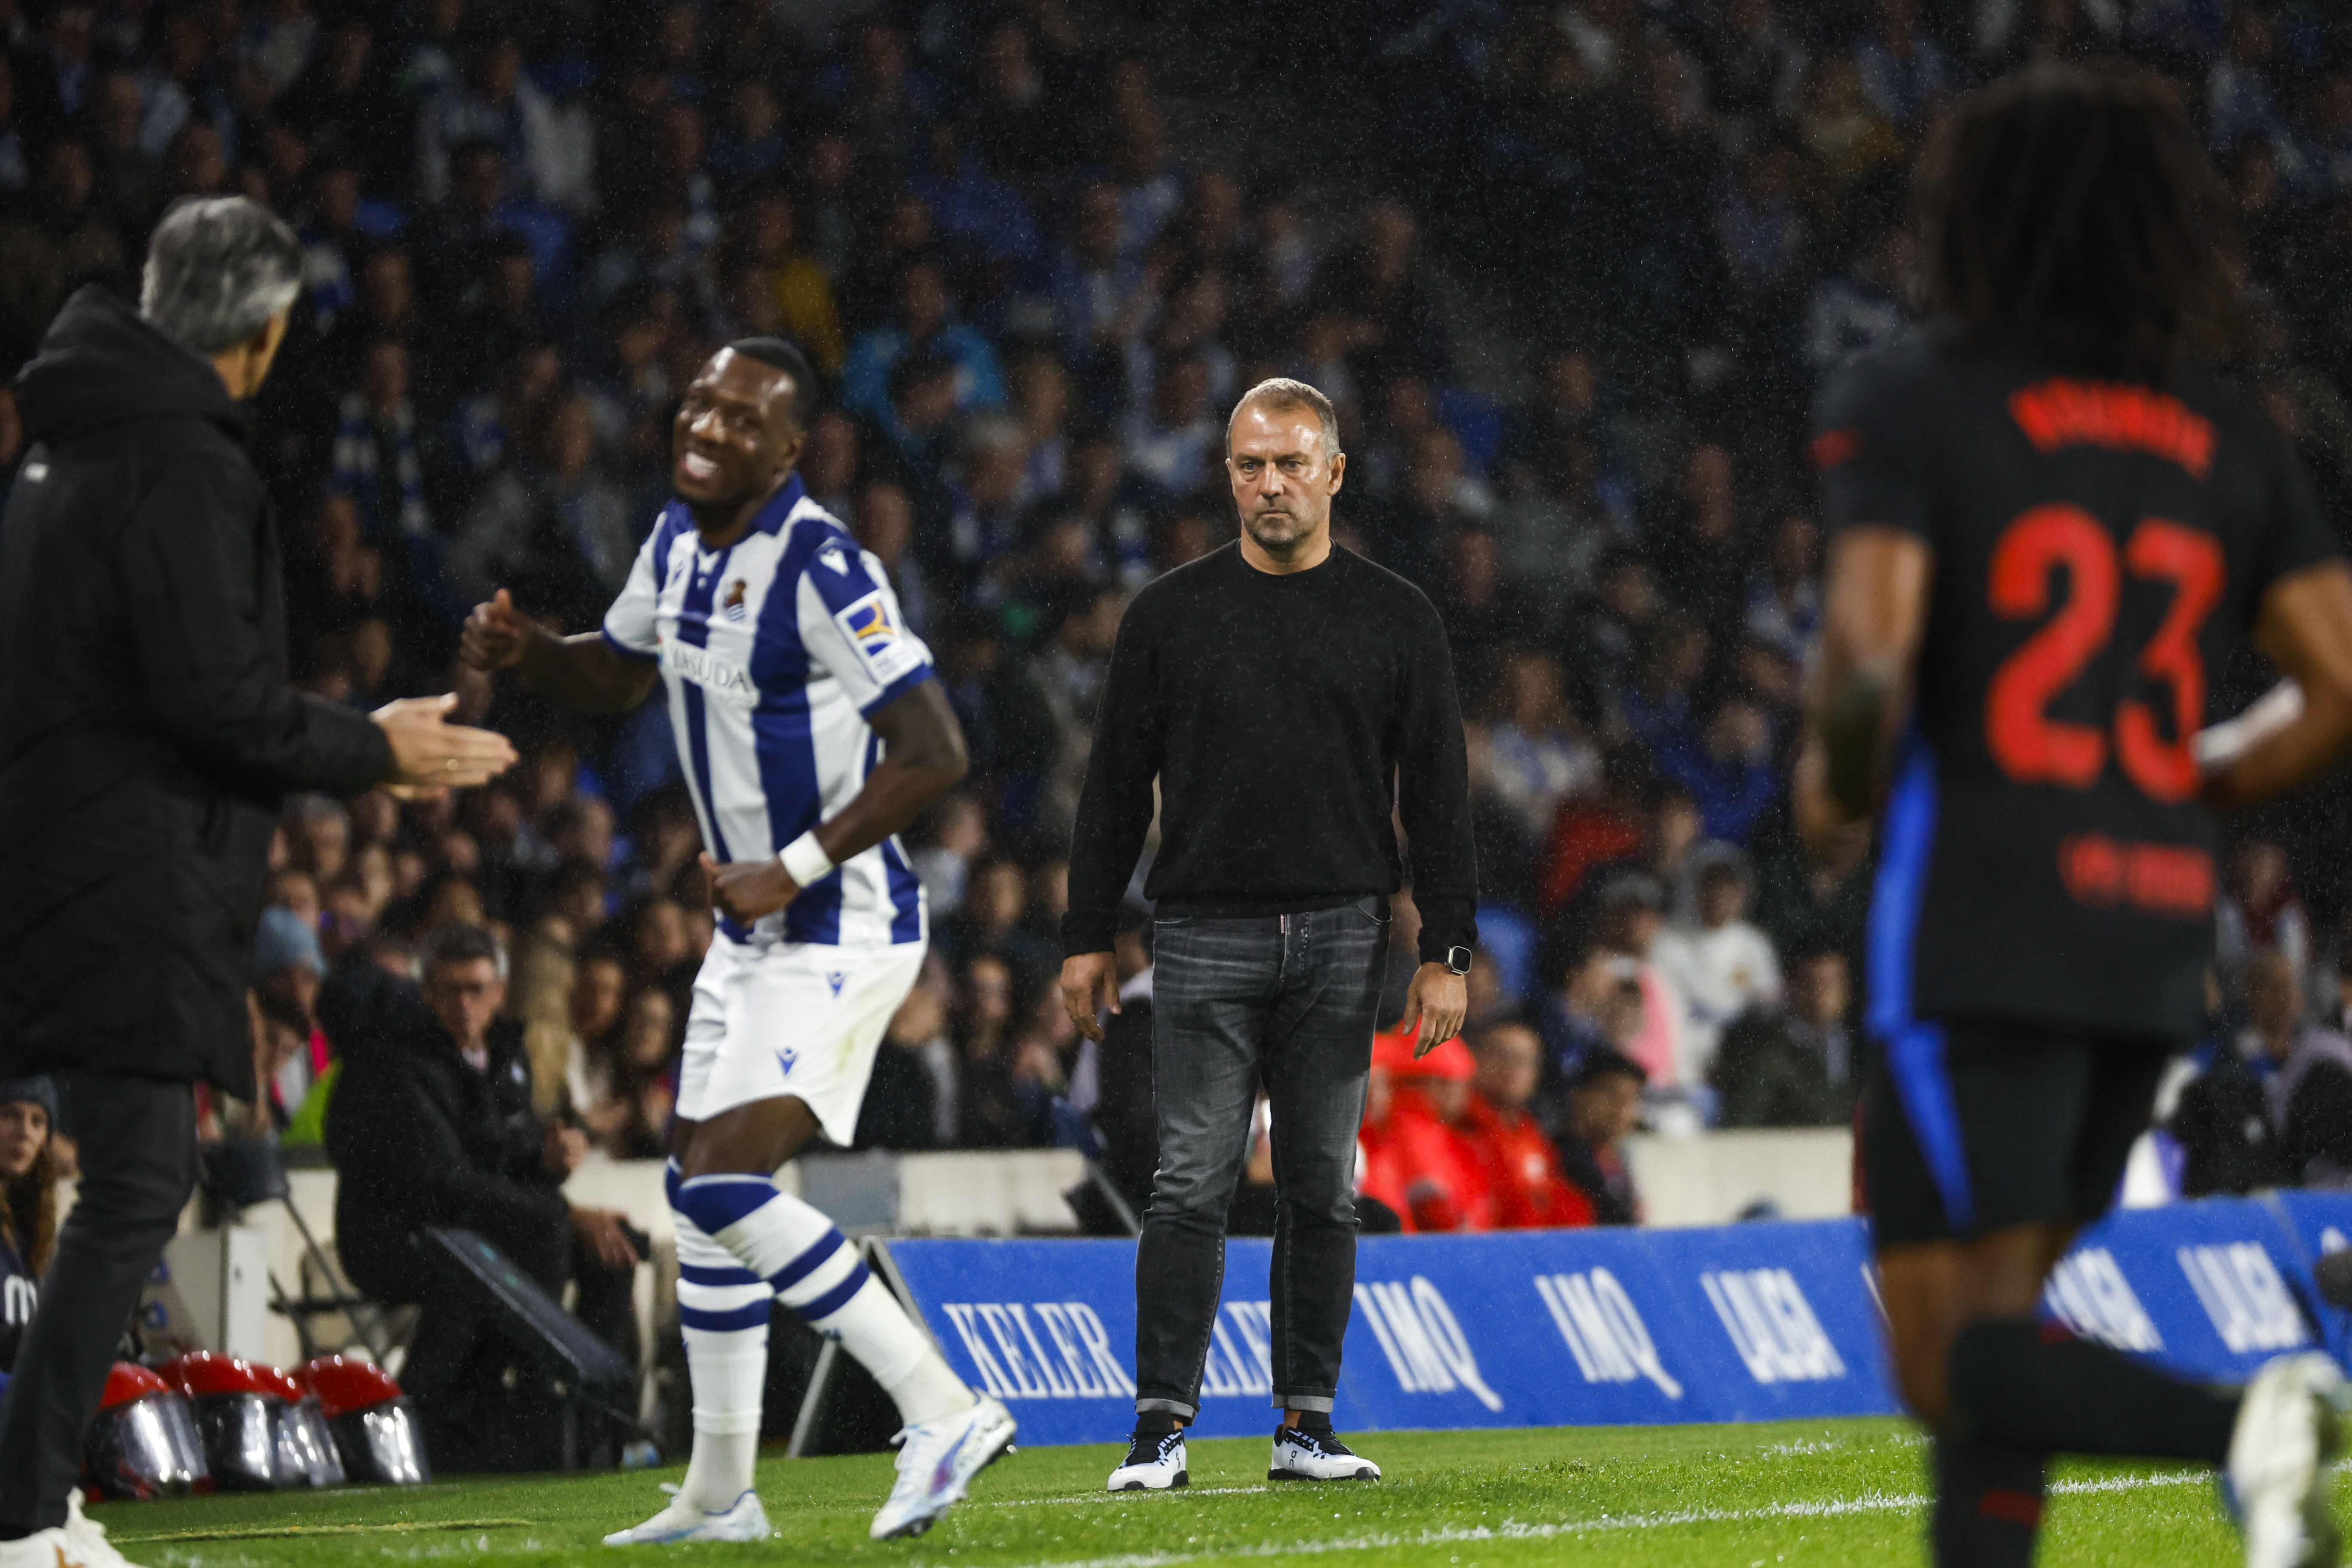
x,y
1605,1327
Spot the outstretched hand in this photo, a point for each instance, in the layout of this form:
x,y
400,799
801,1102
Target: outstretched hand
x,y
428,753
748,890
496,635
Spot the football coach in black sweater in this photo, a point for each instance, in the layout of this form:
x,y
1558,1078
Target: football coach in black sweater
x,y
147,733
1284,694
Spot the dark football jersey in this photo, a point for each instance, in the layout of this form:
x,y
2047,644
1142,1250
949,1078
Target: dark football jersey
x,y
2100,548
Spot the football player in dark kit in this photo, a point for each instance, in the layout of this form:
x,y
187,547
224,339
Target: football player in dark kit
x,y
2053,524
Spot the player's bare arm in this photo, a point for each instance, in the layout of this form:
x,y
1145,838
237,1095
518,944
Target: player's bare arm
x,y
584,673
1875,615
923,757
2304,627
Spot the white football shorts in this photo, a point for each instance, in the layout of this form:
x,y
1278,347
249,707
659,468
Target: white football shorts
x,y
803,1019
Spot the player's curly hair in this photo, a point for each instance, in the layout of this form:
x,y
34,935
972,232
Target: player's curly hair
x,y
2069,211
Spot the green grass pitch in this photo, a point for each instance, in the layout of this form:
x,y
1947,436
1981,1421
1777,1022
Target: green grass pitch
x,y
1746,1497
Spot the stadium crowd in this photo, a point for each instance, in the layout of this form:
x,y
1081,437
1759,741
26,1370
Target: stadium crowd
x,y
527,225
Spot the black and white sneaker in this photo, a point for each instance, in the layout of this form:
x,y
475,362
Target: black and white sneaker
x,y
1301,1454
1154,1463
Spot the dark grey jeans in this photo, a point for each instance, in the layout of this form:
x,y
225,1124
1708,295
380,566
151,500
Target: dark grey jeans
x,y
1287,1000
138,1164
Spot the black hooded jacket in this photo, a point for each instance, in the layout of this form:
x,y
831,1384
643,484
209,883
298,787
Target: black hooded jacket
x,y
147,733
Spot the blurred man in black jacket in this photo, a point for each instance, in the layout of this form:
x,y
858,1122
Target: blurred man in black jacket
x,y
147,735
432,1125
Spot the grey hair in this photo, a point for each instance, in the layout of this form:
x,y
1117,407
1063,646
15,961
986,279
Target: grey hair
x,y
1281,394
217,270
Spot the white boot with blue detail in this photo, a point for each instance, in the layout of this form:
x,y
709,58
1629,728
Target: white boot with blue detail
x,y
682,1522
2280,1473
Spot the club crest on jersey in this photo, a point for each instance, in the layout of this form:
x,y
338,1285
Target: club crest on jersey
x,y
733,603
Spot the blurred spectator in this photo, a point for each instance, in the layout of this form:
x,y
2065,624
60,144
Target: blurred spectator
x,y
551,527
922,322
52,245
1535,754
2307,1072
1439,1174
1728,772
1631,914
2260,909
29,1202
999,1110
1522,1168
288,966
593,1066
432,1125
1721,965
1603,1106
911,1103
1792,1065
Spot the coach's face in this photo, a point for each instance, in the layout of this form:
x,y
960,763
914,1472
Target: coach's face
x,y
1283,479
735,434
465,996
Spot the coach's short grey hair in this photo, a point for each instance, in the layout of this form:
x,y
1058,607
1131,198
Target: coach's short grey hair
x,y
1281,394
218,270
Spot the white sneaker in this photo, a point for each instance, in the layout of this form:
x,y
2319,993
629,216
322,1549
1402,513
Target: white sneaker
x,y
936,1463
682,1521
79,1543
1303,1455
2277,1481
1154,1464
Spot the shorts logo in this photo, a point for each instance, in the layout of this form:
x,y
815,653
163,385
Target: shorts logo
x,y
833,977
785,1058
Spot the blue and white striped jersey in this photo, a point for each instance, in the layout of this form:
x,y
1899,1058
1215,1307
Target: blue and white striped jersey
x,y
774,650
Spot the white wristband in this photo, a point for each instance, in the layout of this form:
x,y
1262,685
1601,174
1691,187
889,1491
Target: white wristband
x,y
805,860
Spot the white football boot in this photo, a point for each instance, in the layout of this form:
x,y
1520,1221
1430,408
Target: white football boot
x,y
79,1543
936,1463
682,1521
2279,1474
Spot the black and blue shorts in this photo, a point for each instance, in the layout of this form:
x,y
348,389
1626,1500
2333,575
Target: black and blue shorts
x,y
1972,1125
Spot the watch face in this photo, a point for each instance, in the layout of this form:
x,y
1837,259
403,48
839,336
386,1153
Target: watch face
x,y
1457,959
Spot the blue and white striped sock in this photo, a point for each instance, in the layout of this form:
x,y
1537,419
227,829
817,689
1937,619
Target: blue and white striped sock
x,y
723,1309
773,1237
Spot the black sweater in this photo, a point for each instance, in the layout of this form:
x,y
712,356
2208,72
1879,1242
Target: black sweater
x,y
1277,714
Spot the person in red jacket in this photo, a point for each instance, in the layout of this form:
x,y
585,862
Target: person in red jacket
x,y
1521,1166
1379,1168
1444,1182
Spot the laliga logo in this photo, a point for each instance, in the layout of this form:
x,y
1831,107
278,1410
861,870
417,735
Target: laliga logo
x,y
1772,1325
1604,1333
2241,1290
1424,1345
2088,1293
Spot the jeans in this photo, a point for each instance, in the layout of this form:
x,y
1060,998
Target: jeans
x,y
137,1141
1288,1001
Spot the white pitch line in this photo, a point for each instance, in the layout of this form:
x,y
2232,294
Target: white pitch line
x,y
1513,1530
1080,1499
